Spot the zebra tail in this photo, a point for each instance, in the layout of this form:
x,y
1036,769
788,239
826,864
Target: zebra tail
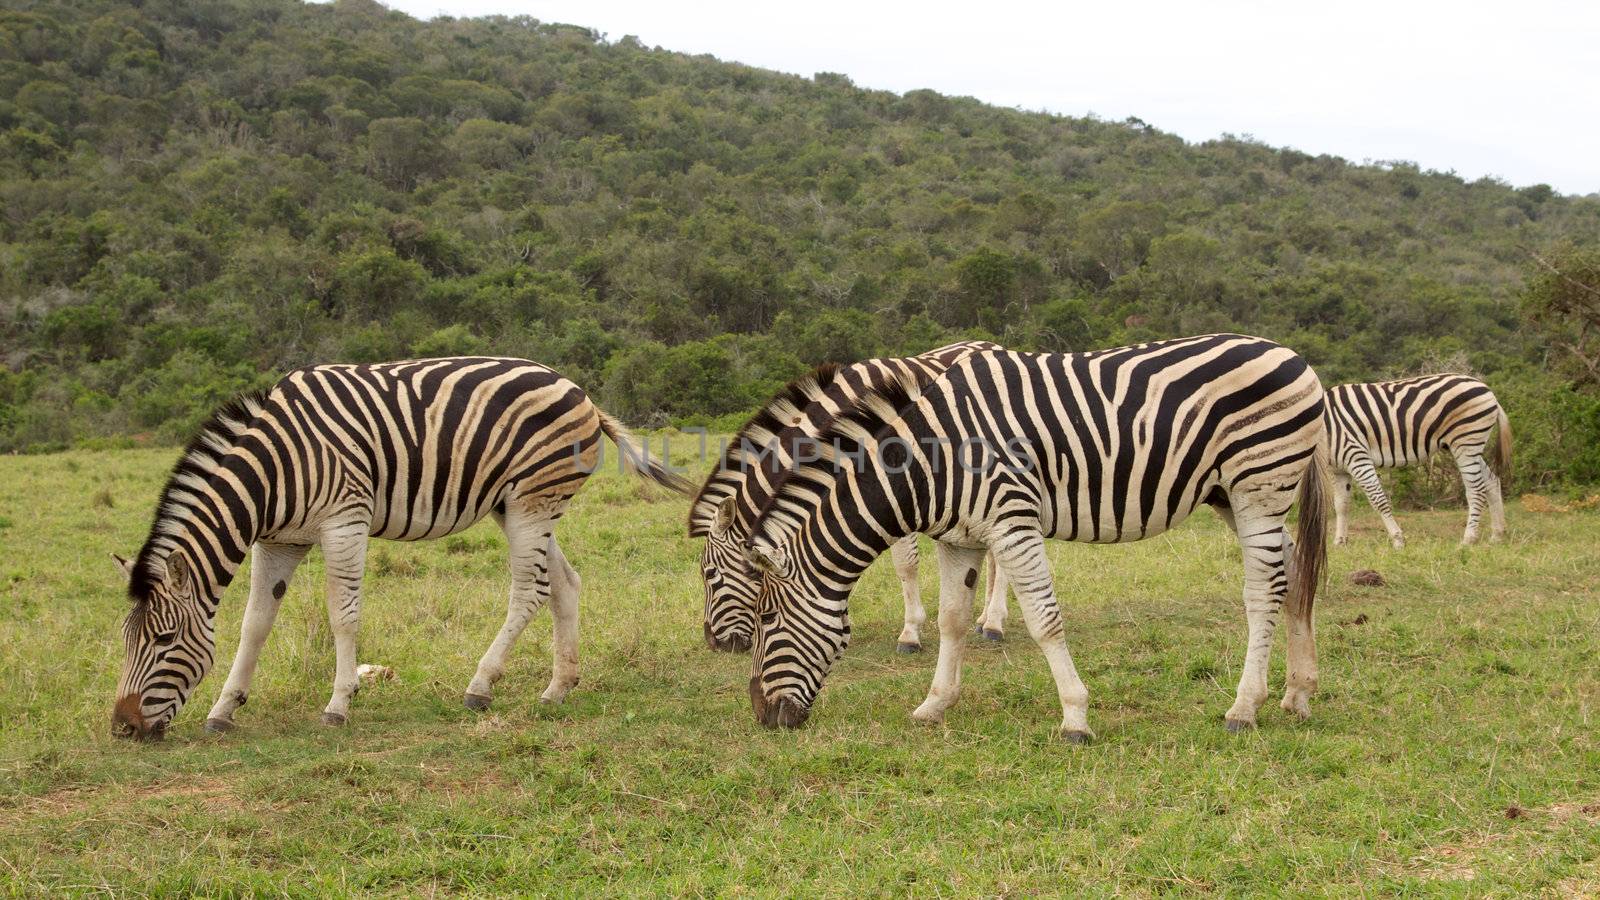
x,y
636,457
1311,539
1500,453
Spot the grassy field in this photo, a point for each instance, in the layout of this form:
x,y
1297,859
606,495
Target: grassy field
x,y
1452,751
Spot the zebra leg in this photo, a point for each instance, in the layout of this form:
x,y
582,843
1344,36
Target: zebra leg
x,y
1341,507
1266,586
530,542
1366,475
906,559
564,584
1301,677
1497,509
992,624
344,551
958,577
1475,477
271,566
1024,563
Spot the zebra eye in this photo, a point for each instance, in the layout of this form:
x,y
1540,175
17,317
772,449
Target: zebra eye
x,y
166,638
711,571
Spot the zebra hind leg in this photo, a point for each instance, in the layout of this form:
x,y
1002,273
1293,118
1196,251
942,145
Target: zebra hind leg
x,y
1263,541
958,575
906,558
344,550
1475,478
564,584
1497,510
529,540
271,566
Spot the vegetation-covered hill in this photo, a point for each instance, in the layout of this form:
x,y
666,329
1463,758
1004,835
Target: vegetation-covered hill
x,y
196,196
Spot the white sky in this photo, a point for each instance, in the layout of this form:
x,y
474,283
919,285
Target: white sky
x,y
1504,89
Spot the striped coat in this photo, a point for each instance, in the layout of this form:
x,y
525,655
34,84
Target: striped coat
x,y
740,483
335,455
1006,450
1390,424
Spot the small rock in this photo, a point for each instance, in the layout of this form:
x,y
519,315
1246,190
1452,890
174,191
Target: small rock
x,y
1367,578
369,672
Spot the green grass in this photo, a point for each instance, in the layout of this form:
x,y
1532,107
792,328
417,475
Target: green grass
x,y
1452,751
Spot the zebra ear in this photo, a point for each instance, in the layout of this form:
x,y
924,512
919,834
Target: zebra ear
x,y
766,558
177,573
724,517
124,566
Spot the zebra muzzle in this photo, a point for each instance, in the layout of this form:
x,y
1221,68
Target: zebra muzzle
x,y
782,712
728,643
128,721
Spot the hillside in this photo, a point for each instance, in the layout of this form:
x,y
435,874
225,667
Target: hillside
x,y
195,196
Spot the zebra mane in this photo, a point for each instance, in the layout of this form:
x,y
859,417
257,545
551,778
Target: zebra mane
x,y
200,458
848,433
783,411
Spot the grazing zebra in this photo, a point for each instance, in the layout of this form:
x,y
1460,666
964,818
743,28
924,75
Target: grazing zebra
x,y
335,455
1007,449
1396,423
736,489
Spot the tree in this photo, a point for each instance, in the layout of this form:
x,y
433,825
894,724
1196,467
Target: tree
x,y
1563,298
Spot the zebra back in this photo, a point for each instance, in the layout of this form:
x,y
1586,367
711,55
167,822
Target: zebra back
x,y
765,445
1398,423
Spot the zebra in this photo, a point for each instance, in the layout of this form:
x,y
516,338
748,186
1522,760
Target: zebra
x,y
335,455
734,491
1007,449
1389,424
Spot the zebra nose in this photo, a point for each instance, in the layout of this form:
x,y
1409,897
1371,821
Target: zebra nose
x,y
732,643
790,714
127,718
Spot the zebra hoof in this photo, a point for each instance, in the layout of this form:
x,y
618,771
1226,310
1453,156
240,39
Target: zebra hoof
x,y
907,647
1237,725
990,634
333,719
219,726
477,702
1076,737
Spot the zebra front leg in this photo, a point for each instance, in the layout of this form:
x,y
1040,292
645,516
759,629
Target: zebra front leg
x,y
271,566
1341,507
344,551
1366,475
530,542
1266,585
958,579
1024,563
564,584
906,559
992,623
1475,477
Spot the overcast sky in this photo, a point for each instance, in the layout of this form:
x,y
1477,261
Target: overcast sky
x,y
1506,89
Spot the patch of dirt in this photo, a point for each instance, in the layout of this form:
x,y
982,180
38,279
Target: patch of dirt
x,y
1368,578
1539,503
215,793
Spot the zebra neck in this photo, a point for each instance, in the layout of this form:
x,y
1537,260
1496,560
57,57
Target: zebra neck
x,y
212,520
856,523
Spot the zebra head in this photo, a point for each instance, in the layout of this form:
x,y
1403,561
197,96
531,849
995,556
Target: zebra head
x,y
731,585
802,628
169,639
